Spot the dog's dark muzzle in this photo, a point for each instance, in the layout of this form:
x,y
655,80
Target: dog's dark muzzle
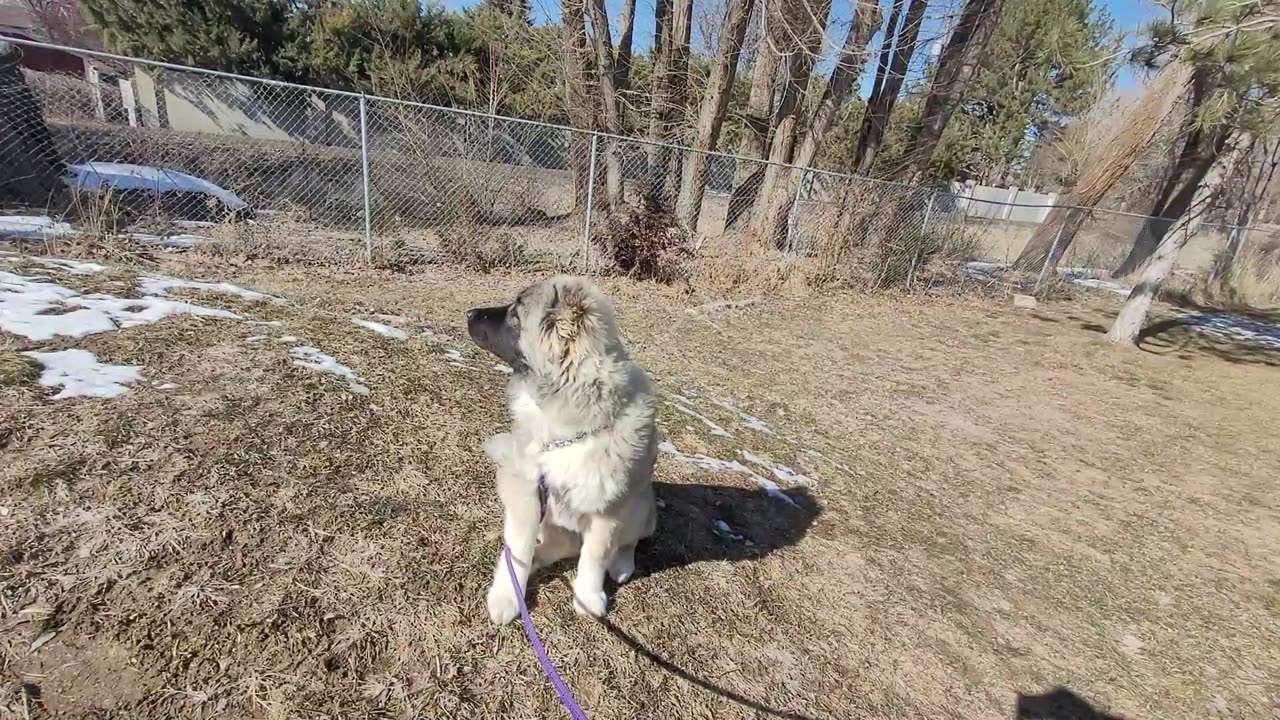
x,y
489,329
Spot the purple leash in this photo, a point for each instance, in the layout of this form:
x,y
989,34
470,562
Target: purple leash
x,y
539,652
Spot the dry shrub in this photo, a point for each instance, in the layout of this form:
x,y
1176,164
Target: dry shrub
x,y
750,272
869,245
483,249
1250,280
922,256
645,243
283,241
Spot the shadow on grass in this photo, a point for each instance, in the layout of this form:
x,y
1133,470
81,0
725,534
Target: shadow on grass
x,y
1058,704
1180,337
711,523
700,523
688,676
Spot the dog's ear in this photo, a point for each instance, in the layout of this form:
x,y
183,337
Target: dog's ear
x,y
572,310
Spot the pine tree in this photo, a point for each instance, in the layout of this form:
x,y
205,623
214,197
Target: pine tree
x,y
1237,44
232,35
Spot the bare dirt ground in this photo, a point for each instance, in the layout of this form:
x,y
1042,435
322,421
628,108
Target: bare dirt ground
x,y
1008,518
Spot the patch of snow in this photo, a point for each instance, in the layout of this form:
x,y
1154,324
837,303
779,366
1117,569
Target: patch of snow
x,y
453,356
504,369
717,465
34,227
987,266
271,323
72,266
309,357
44,310
771,488
984,270
1108,285
93,176
711,424
166,386
723,530
750,422
177,240
1081,272
286,339
160,285
79,374
787,475
781,472
255,338
385,330
1233,326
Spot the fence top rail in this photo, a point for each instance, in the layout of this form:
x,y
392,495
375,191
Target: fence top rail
x,y
936,188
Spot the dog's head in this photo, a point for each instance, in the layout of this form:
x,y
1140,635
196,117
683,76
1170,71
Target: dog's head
x,y
551,325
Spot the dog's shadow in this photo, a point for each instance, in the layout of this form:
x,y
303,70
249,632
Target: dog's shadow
x,y
698,523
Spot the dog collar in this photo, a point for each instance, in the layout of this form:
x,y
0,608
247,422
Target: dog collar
x,y
566,442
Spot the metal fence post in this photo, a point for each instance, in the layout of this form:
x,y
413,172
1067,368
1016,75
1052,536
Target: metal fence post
x,y
1053,249
795,210
364,176
591,186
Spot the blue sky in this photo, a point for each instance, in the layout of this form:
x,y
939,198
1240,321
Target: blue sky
x,y
1129,16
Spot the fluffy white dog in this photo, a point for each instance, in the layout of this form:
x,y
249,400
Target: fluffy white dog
x,y
575,473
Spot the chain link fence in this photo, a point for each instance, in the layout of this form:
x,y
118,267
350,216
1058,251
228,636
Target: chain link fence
x,y
175,155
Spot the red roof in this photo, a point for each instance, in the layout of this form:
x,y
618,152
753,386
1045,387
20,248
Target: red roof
x,y
16,22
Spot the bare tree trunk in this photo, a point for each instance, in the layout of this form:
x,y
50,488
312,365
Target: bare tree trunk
x,y
626,37
886,49
31,171
711,115
1255,187
757,123
1115,155
1200,149
849,65
578,103
673,23
885,94
956,67
1177,194
608,102
805,27
1128,324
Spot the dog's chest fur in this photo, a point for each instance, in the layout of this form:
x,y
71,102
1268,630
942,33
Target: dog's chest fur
x,y
586,476
578,475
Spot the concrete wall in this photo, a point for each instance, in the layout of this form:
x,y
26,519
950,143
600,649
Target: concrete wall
x,y
190,103
993,203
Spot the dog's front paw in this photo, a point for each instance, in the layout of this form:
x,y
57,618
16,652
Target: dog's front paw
x,y
590,602
501,603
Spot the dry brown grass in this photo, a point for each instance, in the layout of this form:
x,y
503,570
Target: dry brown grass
x,y
1251,280
283,241
1004,505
